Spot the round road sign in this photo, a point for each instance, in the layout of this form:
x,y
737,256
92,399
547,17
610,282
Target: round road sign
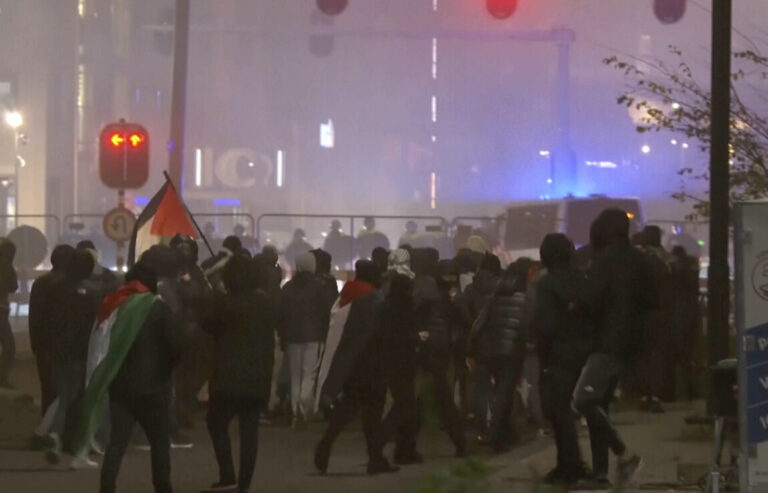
x,y
118,224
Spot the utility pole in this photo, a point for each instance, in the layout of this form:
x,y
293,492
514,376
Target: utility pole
x,y
179,96
718,285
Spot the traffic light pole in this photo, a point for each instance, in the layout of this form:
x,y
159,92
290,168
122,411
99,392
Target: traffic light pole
x,y
179,96
718,285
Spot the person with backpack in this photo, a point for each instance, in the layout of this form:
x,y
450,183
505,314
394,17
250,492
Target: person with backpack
x,y
498,341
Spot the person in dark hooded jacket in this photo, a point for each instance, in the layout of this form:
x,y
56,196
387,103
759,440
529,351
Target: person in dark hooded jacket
x,y
303,326
625,292
74,302
399,342
364,388
8,284
192,289
42,326
564,315
471,303
498,340
241,323
141,390
436,320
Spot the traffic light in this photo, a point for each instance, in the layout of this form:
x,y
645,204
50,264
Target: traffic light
x,y
124,155
669,11
332,7
501,9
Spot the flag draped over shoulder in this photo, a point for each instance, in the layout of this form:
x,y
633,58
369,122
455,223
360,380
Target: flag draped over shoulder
x,y
352,325
120,318
164,217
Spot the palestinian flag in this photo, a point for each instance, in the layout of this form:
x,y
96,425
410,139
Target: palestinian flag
x,y
350,330
164,217
120,317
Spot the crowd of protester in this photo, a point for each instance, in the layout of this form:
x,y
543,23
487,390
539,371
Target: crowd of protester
x,y
543,342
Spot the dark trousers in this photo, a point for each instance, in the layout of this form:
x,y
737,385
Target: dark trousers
x,y
221,410
506,372
152,413
482,397
592,397
369,398
47,383
402,421
557,386
435,365
8,345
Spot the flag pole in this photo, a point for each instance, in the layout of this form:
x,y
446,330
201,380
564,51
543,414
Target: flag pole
x,y
191,217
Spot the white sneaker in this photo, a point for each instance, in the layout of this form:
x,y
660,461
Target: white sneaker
x,y
80,463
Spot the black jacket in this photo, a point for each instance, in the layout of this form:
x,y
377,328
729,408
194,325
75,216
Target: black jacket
x,y
626,294
477,294
566,303
330,289
435,313
499,331
73,308
304,314
41,324
148,367
242,327
399,318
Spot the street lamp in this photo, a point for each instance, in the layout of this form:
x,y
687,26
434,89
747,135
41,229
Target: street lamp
x,y
14,119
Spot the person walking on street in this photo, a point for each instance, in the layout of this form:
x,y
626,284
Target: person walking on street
x,y
141,388
358,365
437,319
42,326
564,318
399,341
194,367
625,291
240,322
303,325
74,303
8,284
498,340
471,303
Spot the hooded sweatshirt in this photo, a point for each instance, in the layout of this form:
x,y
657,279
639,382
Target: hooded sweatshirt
x,y
625,288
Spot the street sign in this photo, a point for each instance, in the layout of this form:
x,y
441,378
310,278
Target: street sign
x,y
118,224
751,252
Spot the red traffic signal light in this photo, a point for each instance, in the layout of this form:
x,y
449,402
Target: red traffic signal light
x,y
332,7
501,9
117,140
124,155
669,11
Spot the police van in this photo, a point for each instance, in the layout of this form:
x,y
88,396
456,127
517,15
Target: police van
x,y
524,224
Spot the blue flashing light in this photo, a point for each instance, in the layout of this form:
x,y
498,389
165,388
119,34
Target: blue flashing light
x,y
141,201
227,202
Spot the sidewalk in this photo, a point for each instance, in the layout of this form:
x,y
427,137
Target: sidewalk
x,y
663,440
